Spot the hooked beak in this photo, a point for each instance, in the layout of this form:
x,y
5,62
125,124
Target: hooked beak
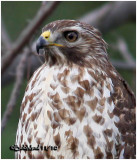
x,y
44,41
41,43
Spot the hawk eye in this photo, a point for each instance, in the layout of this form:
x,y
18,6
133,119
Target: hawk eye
x,y
71,36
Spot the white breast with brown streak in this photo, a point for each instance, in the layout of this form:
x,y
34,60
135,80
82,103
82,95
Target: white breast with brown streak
x,y
68,107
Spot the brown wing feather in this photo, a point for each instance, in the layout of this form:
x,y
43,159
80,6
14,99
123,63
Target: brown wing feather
x,y
125,103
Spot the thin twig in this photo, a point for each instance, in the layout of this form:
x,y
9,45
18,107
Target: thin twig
x,y
123,48
5,39
43,13
15,91
123,65
4,36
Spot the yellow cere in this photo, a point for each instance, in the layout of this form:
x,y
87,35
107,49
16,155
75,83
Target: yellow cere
x,y
46,34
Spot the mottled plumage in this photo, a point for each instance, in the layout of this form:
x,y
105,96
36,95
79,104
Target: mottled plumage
x,y
76,100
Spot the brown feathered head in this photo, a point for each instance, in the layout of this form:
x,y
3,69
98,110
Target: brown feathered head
x,y
70,41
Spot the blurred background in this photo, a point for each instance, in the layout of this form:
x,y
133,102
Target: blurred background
x,y
21,26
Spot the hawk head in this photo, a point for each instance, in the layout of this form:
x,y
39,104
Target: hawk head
x,y
70,41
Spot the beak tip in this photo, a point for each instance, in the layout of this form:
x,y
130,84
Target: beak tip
x,y
37,49
40,44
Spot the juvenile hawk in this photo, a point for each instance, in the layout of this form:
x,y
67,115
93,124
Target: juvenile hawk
x,y
76,101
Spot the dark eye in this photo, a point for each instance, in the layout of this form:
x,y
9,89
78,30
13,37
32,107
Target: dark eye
x,y
71,36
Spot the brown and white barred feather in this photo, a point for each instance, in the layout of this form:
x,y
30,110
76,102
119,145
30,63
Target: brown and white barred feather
x,y
86,108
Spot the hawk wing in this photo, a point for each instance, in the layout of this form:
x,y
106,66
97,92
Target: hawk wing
x,y
125,105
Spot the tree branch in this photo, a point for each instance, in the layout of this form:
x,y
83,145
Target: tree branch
x,y
96,16
111,15
15,91
123,65
122,47
5,40
27,33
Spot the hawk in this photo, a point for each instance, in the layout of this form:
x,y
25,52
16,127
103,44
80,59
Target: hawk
x,y
76,104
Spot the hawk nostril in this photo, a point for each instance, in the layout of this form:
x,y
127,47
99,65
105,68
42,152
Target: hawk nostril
x,y
46,34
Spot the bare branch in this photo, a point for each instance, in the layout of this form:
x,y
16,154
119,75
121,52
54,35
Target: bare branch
x,y
4,35
15,91
8,74
111,15
27,33
94,17
123,65
6,42
122,47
